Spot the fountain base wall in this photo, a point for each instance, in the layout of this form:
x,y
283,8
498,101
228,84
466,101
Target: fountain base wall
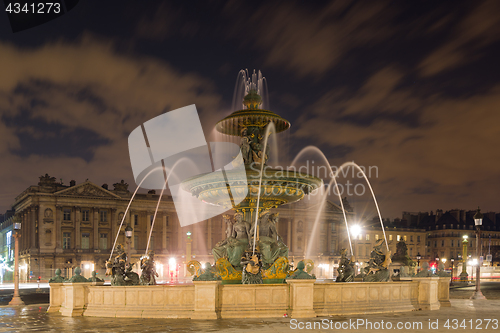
x,y
212,300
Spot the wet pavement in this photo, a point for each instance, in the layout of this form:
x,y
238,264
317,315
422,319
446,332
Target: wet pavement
x,y
466,315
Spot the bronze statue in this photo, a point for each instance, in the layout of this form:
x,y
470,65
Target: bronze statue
x,y
252,268
148,270
269,242
121,274
58,278
94,278
377,269
346,268
233,247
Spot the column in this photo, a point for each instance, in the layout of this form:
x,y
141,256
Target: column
x,y
113,228
95,225
148,227
58,217
209,234
289,235
164,233
329,237
78,218
33,229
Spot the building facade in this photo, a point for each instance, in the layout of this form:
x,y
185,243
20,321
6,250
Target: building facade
x,y
75,225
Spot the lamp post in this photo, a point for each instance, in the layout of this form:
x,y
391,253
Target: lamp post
x,y
452,260
478,221
419,257
463,275
128,235
16,299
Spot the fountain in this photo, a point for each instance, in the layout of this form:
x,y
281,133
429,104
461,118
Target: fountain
x,y
247,280
253,232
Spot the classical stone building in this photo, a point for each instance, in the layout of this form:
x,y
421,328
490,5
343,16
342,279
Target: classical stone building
x,y
65,226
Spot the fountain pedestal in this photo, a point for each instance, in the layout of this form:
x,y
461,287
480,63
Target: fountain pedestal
x,y
301,298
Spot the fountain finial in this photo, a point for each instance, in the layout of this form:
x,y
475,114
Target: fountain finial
x,y
252,100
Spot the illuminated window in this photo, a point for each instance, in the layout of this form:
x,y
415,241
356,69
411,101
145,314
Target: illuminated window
x,y
66,240
398,238
376,237
367,237
404,238
360,237
390,237
103,242
85,240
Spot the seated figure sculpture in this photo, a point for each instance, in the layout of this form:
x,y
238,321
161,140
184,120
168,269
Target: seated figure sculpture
x,y
269,243
233,247
121,273
346,268
148,270
377,269
58,278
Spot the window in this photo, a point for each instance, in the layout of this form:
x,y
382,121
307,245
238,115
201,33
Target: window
x,y
85,240
151,219
367,237
418,239
398,238
67,214
152,242
411,251
136,241
333,224
103,241
360,237
452,243
104,216
442,242
66,240
451,254
404,238
390,237
428,243
411,238
136,219
435,243
376,237
85,215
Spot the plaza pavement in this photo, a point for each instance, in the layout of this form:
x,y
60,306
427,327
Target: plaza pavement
x,y
35,318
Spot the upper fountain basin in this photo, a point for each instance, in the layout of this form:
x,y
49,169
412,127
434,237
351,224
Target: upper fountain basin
x,y
278,187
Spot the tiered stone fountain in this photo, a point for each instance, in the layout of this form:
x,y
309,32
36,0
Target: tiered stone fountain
x,y
265,191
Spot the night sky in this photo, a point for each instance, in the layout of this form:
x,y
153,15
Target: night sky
x,y
412,87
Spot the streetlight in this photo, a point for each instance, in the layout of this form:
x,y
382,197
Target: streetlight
x,y
16,299
452,262
128,235
478,221
419,257
463,275
355,231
